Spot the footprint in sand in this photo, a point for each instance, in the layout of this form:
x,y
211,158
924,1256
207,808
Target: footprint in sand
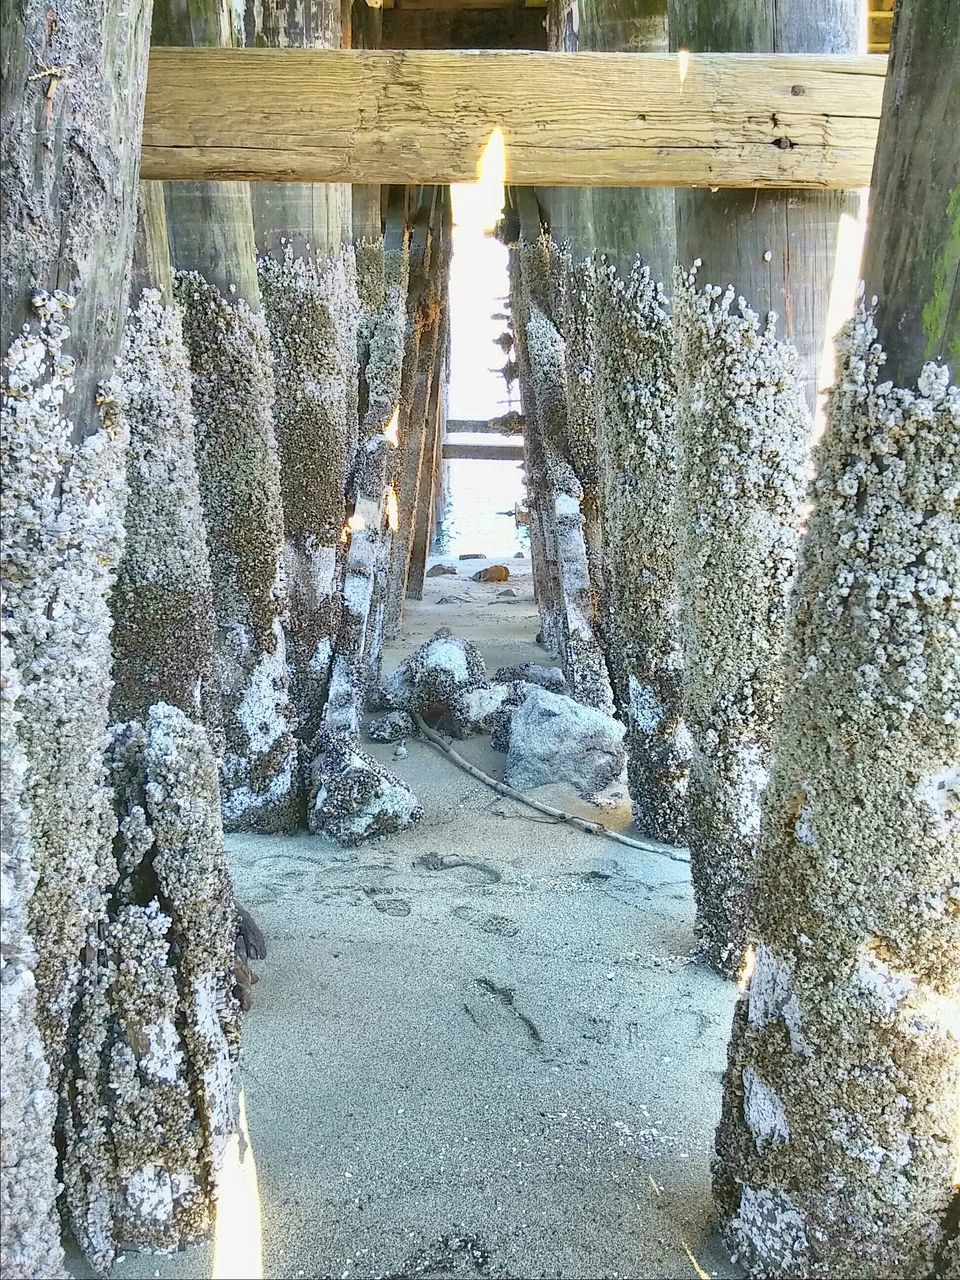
x,y
383,900
469,872
494,1010
499,926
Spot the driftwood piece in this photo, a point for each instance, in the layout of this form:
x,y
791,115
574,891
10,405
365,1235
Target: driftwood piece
x,y
582,824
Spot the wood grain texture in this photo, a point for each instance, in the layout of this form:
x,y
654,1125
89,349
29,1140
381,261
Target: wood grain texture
x,y
616,221
779,249
312,218
291,115
209,224
912,257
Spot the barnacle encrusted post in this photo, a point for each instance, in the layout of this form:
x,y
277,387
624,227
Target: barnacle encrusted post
x,y
573,307
745,405
153,1087
240,487
429,259
213,253
73,88
838,1147
30,1242
543,541
637,448
557,490
382,282
309,301
312,312
164,637
845,1050
381,351
742,431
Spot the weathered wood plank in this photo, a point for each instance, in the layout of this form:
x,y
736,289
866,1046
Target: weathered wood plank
x,y
719,120
509,424
490,452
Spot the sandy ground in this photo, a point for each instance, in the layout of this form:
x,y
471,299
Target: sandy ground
x,y
479,1048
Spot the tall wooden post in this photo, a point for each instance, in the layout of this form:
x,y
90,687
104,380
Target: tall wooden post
x,y
616,222
837,1150
430,469
429,256
211,234
745,392
637,616
310,304
164,629
73,83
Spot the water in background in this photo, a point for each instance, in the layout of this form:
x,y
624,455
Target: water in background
x,y
477,492
480,495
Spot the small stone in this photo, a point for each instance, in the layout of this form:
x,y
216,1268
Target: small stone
x,y
392,727
440,570
494,573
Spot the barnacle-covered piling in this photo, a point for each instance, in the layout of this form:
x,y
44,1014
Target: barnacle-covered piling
x,y
573,305
844,1054
164,636
382,285
153,1089
312,313
543,540
743,429
559,494
62,530
637,449
30,1242
239,474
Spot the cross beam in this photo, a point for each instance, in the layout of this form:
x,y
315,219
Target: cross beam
x,y
583,119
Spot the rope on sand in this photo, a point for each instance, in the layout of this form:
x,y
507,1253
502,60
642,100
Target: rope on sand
x,y
582,824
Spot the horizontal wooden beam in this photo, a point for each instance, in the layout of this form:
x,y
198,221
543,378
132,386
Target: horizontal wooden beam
x,y
584,119
511,424
490,452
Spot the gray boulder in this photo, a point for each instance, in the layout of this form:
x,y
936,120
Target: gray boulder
x,y
556,739
352,797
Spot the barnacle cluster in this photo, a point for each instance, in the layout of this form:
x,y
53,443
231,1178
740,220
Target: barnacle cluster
x,y
62,531
743,434
164,634
30,1244
637,449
